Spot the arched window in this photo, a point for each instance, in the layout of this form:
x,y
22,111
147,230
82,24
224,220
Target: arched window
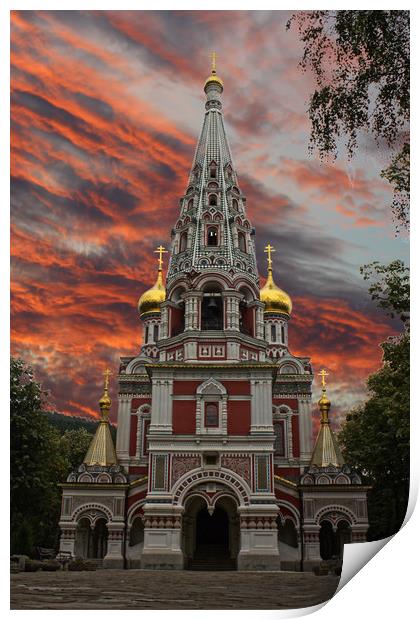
x,y
273,333
211,415
183,242
282,334
213,200
241,242
156,333
213,169
190,204
279,443
235,204
212,236
146,334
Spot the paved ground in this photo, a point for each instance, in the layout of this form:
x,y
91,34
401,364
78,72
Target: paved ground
x,y
138,589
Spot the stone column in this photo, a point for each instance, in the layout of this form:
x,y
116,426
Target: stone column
x,y
123,430
162,541
68,537
311,550
261,406
161,418
259,321
305,429
259,548
192,310
114,557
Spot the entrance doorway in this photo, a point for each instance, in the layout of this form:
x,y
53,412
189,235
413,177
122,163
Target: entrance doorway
x,y
210,538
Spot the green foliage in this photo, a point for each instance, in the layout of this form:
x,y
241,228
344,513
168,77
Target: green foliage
x,y
41,457
376,436
361,64
67,422
74,445
36,463
79,564
390,288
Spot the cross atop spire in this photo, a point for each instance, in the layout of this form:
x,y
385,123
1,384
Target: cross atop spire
x,y
107,373
269,249
160,250
213,57
323,374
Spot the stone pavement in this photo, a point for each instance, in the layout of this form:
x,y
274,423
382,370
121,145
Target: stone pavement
x,y
138,589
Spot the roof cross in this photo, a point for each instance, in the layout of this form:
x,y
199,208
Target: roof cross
x,y
323,374
269,249
160,250
106,374
213,57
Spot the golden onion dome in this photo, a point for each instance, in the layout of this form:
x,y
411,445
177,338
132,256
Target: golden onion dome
x,y
213,78
150,300
274,298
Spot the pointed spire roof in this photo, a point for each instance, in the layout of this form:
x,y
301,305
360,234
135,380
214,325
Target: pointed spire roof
x,y
213,198
326,451
102,450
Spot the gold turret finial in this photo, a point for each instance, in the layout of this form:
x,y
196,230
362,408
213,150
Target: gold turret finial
x,y
269,249
213,78
324,402
105,401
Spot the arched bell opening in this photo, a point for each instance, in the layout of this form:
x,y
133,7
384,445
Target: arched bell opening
x,y
246,313
286,533
177,312
212,308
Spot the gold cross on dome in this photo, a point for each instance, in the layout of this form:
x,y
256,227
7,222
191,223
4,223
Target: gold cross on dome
x,y
107,374
269,250
213,57
323,374
160,250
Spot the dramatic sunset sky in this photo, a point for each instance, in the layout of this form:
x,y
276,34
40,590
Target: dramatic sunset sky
x,y
106,111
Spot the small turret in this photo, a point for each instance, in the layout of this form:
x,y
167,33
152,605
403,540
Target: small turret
x,y
326,451
102,450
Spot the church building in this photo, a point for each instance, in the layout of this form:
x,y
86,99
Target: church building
x,y
214,465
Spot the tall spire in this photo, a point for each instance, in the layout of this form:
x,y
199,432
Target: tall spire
x,y
102,450
326,451
213,232
275,299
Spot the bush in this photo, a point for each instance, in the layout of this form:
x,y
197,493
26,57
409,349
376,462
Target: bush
x,y
32,566
80,564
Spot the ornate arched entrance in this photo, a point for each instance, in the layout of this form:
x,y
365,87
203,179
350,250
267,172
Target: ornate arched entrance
x,y
210,534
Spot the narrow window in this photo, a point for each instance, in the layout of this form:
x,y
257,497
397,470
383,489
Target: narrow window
x,y
146,334
190,204
273,333
213,170
213,200
279,445
282,334
211,416
235,204
183,242
242,242
212,236
156,333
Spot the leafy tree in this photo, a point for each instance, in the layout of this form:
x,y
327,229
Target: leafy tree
x,y
375,437
74,445
41,458
361,64
36,463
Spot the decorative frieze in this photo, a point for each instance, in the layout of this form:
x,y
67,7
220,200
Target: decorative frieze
x,y
241,465
183,463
